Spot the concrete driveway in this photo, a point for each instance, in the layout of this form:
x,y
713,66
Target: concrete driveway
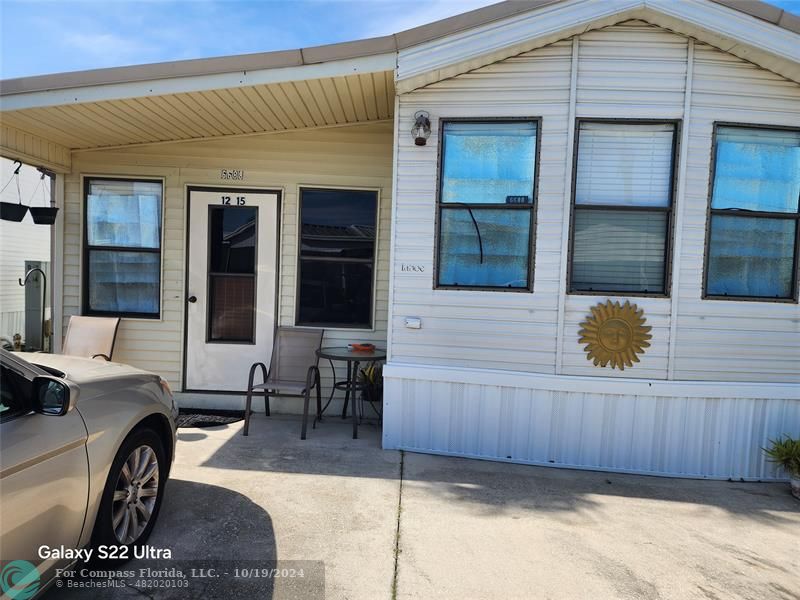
x,y
360,522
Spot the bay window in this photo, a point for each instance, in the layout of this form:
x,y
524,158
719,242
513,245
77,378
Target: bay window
x,y
752,242
622,207
486,204
122,247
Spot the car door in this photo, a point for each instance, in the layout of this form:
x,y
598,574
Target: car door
x,y
44,479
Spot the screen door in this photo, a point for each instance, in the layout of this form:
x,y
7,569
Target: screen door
x,y
230,310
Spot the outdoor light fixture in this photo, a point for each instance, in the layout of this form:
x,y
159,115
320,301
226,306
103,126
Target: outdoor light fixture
x,y
422,128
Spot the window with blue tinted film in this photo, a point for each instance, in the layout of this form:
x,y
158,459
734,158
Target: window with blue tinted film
x,y
486,163
486,204
755,206
123,282
122,263
503,244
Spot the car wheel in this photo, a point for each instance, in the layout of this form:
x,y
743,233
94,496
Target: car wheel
x,y
133,492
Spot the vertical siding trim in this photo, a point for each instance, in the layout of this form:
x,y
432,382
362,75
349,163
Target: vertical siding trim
x,y
57,262
677,248
566,201
393,227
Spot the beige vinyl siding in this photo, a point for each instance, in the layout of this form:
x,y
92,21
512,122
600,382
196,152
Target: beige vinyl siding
x,y
18,144
352,156
631,70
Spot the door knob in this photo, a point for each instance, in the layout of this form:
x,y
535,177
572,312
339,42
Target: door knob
x,y
192,299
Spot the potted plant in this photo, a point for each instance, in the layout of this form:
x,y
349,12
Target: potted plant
x,y
372,377
785,452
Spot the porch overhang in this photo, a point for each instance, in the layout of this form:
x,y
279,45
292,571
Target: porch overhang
x,y
45,119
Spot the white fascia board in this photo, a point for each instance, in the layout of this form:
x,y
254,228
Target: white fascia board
x,y
199,83
737,26
753,39
461,52
593,385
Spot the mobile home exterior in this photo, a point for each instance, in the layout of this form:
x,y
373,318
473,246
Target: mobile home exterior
x,y
591,262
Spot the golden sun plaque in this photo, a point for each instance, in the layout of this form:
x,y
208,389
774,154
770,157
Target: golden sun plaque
x,y
614,335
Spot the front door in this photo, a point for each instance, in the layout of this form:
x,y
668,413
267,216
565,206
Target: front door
x,y
230,311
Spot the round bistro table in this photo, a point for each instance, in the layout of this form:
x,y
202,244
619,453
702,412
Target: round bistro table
x,y
351,385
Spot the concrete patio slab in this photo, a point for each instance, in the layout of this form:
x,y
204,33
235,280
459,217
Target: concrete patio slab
x,y
474,529
272,497
468,529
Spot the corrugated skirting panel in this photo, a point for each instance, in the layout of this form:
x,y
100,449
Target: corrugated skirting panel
x,y
708,437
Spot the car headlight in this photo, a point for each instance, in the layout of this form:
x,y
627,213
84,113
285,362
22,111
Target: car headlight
x,y
168,391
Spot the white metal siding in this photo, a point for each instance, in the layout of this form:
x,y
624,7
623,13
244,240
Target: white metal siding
x,y
355,156
482,329
669,432
632,70
729,340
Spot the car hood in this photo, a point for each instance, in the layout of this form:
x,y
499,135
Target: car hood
x,y
92,375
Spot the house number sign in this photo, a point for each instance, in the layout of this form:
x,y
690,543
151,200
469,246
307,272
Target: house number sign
x,y
233,200
406,268
232,174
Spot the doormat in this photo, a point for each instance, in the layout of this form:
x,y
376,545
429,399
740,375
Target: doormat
x,y
208,418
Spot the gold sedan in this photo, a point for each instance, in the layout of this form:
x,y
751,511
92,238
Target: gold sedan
x,y
85,451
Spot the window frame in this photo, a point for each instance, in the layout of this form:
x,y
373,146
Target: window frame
x,y
211,274
297,285
787,216
86,248
533,207
669,210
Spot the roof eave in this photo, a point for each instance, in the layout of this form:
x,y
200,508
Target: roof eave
x,y
205,81
358,49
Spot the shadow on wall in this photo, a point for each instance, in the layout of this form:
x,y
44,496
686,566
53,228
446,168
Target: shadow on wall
x,y
274,445
208,527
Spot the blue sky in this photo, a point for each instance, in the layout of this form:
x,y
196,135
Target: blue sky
x,y
39,37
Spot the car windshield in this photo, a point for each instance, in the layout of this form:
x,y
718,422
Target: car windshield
x,y
14,388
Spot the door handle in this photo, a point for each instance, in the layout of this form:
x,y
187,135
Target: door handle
x,y
192,299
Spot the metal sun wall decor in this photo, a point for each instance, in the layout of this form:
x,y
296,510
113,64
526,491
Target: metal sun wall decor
x,y
615,335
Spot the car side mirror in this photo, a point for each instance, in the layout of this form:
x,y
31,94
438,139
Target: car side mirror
x,y
52,396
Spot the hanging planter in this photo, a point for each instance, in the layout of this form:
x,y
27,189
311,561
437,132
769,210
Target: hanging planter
x,y
15,211
12,211
44,215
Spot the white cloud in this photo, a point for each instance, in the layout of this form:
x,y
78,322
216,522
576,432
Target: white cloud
x,y
393,17
110,45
